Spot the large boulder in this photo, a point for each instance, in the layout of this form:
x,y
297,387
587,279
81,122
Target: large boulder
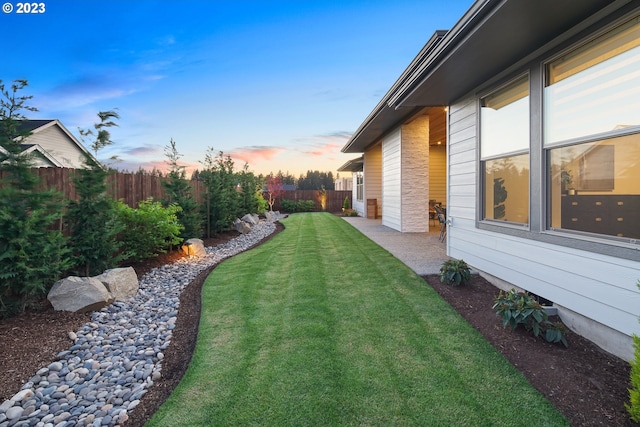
x,y
122,283
251,219
194,247
242,226
79,294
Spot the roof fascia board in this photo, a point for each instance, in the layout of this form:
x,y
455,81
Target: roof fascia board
x,y
456,38
473,19
45,153
576,32
424,53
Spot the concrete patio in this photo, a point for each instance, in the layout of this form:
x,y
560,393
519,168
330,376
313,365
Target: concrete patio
x,y
422,252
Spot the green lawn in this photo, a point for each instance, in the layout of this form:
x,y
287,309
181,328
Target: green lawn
x,y
322,327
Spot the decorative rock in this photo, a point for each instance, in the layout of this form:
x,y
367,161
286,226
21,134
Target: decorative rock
x,y
194,247
242,226
79,294
251,219
14,412
121,282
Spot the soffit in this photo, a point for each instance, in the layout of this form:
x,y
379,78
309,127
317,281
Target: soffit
x,y
489,38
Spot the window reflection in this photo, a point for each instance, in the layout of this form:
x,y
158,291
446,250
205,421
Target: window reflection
x,y
595,88
507,189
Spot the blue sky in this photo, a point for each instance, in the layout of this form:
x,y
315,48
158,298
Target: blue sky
x,y
278,84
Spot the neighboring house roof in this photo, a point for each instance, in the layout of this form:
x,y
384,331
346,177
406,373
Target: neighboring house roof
x,y
52,143
491,38
353,165
42,155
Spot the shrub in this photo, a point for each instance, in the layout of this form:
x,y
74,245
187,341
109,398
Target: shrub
x,y
179,192
350,212
455,272
520,308
292,206
633,407
149,230
305,206
33,251
346,205
288,205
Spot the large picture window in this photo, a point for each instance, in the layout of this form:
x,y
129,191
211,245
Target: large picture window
x,y
591,124
504,148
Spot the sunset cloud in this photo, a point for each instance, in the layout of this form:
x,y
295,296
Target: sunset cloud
x,y
256,152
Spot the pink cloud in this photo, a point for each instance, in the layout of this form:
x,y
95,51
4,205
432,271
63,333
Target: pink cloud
x,y
251,154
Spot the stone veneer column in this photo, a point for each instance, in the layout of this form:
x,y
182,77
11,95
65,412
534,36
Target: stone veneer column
x,y
415,175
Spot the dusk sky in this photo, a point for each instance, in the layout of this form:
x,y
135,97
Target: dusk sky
x,y
281,85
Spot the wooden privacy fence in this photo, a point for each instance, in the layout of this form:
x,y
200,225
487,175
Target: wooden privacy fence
x,y
333,203
130,187
134,187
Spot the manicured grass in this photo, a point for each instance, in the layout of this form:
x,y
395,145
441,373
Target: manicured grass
x,y
322,327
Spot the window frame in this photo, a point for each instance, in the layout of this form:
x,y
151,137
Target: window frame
x,y
539,229
483,160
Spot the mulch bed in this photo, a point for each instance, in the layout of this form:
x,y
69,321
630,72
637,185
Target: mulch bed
x,y
586,384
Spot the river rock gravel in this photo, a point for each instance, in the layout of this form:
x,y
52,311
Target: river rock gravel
x,y
117,356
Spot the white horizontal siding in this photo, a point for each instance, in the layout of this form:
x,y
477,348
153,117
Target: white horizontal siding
x,y
596,286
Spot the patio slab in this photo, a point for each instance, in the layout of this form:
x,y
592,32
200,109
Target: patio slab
x,y
422,252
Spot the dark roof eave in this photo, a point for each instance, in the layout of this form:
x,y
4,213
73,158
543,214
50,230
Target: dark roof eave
x,y
459,60
368,132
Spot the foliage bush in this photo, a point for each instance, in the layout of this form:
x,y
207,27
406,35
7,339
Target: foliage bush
x,y
221,203
519,308
633,407
178,192
250,194
455,272
33,252
292,206
288,205
92,218
350,212
346,205
149,230
305,206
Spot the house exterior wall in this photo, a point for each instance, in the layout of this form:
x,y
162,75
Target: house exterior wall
x,y
414,189
373,178
596,294
59,146
392,179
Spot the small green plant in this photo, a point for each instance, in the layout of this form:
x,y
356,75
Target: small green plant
x,y
346,205
455,272
633,407
350,212
519,308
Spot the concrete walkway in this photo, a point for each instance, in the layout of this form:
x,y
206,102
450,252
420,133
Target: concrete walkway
x,y
422,252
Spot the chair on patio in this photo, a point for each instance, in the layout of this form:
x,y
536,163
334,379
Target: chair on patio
x,y
441,213
433,216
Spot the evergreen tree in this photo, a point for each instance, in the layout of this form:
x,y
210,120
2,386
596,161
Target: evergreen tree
x,y
221,197
32,253
250,196
179,192
92,218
